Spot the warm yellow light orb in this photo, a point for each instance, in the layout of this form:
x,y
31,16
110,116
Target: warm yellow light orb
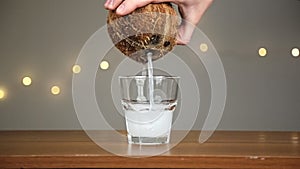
x,y
295,52
76,69
55,90
203,47
26,81
104,65
2,94
262,52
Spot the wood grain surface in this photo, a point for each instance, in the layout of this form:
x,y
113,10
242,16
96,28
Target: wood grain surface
x,y
75,149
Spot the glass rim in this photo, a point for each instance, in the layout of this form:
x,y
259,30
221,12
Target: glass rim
x,y
147,77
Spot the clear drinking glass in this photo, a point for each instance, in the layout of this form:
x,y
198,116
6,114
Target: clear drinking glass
x,y
149,107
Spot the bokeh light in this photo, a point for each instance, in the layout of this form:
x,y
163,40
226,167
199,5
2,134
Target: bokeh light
x,y
2,94
262,52
295,52
55,90
203,47
26,81
104,65
76,69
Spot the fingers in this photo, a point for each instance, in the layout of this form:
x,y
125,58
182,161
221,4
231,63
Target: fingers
x,y
130,5
112,4
124,7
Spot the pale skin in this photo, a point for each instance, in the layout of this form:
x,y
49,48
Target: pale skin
x,y
191,12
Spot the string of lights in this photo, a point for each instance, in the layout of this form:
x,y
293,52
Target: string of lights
x,y
104,65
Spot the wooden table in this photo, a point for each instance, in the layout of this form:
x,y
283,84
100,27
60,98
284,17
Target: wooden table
x,y
225,149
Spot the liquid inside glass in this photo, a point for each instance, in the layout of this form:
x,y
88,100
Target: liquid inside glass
x,y
148,124
149,114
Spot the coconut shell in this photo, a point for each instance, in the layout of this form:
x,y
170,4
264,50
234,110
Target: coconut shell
x,y
152,28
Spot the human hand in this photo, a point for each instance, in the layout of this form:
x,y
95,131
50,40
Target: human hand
x,y
191,12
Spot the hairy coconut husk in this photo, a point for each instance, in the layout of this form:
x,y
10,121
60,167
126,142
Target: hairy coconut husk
x,y
152,28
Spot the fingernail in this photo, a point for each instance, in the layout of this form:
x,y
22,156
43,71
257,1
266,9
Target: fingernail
x,y
106,3
109,3
121,9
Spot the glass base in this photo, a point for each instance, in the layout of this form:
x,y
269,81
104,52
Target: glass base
x,y
148,140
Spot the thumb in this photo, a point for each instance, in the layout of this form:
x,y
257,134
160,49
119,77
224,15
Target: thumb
x,y
191,13
185,32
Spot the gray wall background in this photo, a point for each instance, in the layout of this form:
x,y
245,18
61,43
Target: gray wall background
x,y
42,39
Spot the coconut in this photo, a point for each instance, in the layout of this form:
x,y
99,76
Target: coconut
x,y
152,28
